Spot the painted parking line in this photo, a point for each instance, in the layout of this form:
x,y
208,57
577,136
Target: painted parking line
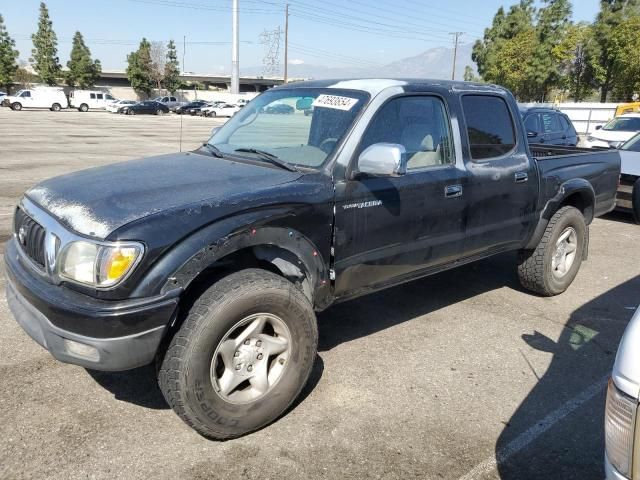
x,y
526,438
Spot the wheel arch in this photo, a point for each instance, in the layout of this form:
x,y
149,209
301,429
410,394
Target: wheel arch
x,y
577,193
232,245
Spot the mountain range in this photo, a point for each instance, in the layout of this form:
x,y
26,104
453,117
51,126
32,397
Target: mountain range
x,y
434,63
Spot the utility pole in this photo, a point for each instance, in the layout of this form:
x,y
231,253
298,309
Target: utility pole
x,y
456,36
286,41
184,50
235,51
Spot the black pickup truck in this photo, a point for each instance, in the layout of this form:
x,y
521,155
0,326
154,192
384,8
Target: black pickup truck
x,y
214,262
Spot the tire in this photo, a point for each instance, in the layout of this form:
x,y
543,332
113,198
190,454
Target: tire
x,y
536,267
188,375
635,200
213,114
159,112
84,107
17,106
56,107
131,112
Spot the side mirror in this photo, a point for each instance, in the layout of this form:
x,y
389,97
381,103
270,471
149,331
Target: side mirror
x,y
598,127
383,160
531,134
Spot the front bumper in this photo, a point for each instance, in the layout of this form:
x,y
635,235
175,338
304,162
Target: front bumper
x,y
78,329
610,472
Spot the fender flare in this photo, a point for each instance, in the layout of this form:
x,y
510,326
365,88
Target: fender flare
x,y
289,250
567,189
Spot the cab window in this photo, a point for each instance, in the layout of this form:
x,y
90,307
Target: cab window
x,y
532,124
489,126
26,94
420,124
550,122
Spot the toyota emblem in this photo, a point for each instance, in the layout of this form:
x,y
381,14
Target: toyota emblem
x,y
22,235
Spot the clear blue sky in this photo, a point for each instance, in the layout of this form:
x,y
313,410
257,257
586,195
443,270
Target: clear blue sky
x,y
322,32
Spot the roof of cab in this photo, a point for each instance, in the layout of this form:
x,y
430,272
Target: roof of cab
x,y
375,85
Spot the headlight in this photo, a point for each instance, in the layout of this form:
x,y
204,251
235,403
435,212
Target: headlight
x,y
619,422
98,265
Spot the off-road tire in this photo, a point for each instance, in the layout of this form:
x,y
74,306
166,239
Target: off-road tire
x,y
635,199
535,266
184,374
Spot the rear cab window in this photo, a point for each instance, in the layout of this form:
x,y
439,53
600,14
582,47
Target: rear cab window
x,y
550,122
490,126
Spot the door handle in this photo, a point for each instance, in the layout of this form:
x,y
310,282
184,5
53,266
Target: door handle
x,y
521,177
453,191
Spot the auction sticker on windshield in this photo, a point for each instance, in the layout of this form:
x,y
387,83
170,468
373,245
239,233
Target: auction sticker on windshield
x,y
335,101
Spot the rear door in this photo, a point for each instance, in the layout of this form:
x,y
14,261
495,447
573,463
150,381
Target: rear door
x,y
502,186
390,228
553,132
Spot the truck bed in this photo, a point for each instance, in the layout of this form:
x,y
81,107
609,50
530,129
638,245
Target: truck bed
x,y
541,151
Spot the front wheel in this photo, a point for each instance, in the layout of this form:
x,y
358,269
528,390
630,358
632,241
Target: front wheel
x,y
553,265
159,112
17,106
242,355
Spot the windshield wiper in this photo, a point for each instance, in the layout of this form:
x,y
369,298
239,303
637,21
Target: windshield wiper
x,y
269,157
215,151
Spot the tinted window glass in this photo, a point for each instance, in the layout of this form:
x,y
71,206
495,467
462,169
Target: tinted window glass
x,y
420,124
633,144
532,124
99,96
489,126
92,96
550,122
564,123
26,94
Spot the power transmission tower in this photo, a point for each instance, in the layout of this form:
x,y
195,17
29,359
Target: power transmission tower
x,y
286,41
271,41
235,50
456,36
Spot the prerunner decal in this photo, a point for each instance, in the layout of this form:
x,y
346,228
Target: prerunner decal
x,y
335,101
371,203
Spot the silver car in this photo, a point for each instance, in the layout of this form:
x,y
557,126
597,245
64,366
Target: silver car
x,y
622,430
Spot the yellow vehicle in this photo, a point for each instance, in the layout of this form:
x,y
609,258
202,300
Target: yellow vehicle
x,y
633,107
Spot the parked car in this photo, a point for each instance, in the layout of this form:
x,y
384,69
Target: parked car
x,y
84,100
206,109
281,108
42,97
185,108
147,107
2,95
198,110
621,431
118,104
548,126
615,132
223,110
629,188
214,262
170,101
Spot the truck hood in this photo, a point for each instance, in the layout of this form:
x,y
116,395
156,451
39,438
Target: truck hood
x,y
626,370
97,201
630,162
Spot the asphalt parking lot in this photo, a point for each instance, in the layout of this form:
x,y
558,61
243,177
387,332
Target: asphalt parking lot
x,y
462,375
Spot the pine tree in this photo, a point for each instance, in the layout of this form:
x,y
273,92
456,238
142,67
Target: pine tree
x,y
172,69
8,56
140,69
45,52
83,71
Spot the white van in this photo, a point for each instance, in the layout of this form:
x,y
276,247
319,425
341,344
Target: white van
x,y
83,100
42,97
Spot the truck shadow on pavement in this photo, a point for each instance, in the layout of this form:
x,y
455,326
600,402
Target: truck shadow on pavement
x,y
557,431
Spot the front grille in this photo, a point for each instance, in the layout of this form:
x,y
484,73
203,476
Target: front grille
x,y
31,236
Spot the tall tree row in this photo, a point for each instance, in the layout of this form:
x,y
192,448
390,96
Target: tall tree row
x,y
535,52
44,55
83,70
154,65
8,57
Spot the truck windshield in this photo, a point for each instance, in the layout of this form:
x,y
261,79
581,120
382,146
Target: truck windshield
x,y
633,144
300,126
623,124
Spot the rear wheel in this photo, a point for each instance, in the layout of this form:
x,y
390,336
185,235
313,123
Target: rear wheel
x,y
213,114
552,266
16,106
242,355
56,107
84,107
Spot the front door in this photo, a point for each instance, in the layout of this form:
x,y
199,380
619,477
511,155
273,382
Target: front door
x,y
390,228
